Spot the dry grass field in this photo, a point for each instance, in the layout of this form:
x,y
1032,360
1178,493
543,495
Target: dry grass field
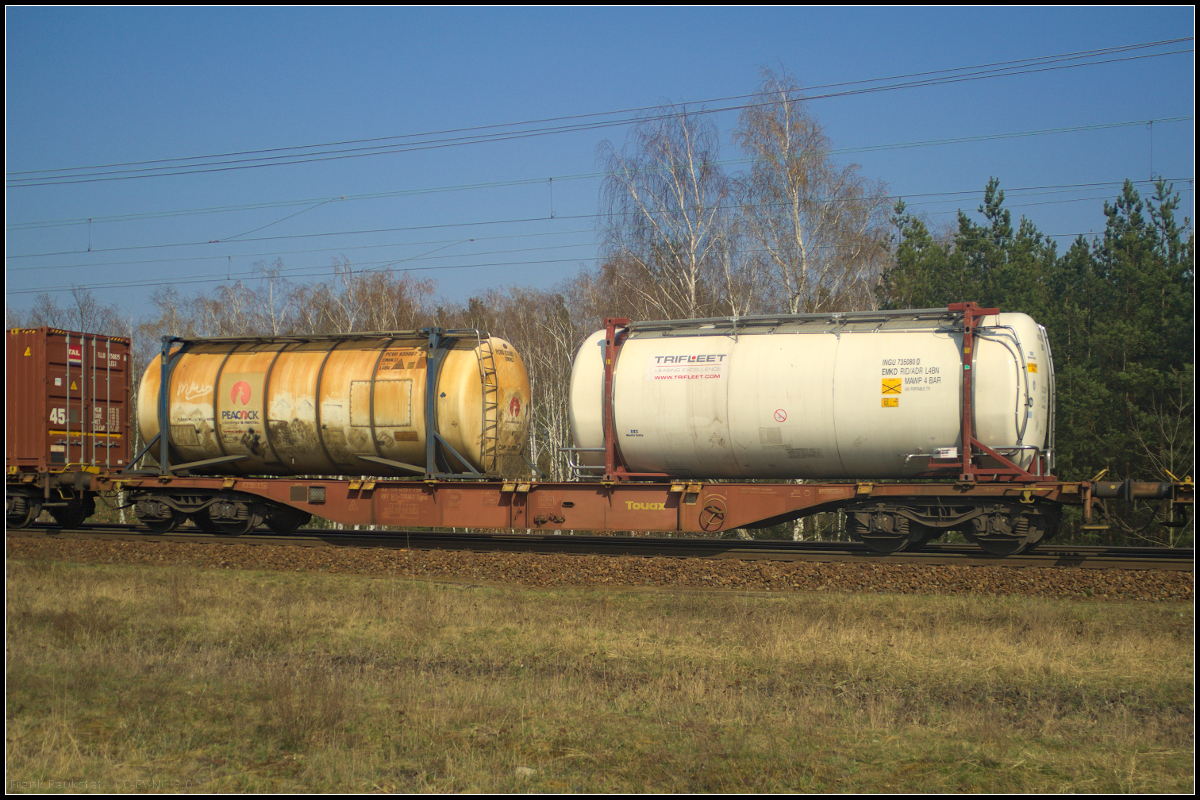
x,y
133,678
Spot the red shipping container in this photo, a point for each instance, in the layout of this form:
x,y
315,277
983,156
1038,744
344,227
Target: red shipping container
x,y
66,401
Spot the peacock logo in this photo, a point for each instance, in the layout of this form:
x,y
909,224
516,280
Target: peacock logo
x,y
240,393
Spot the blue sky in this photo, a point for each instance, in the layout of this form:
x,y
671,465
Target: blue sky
x,y
91,87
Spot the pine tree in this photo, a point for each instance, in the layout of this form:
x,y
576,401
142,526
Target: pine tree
x,y
1120,313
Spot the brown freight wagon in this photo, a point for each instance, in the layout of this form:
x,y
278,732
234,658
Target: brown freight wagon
x,y
66,416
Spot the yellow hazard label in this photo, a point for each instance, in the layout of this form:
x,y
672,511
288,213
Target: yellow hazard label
x,y
73,386
27,352
891,386
891,402
1032,367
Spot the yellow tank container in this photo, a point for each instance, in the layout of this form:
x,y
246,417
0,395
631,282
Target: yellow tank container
x,y
338,405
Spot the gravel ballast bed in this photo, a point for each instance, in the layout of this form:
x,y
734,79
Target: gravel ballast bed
x,y
529,569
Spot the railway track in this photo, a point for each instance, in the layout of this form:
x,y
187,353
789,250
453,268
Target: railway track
x,y
942,554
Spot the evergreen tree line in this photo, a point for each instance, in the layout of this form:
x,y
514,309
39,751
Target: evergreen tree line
x,y
1120,314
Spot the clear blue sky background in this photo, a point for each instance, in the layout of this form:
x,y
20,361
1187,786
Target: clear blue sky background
x,y
100,86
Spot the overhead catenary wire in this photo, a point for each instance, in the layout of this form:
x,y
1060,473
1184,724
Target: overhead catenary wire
x,y
998,64
911,199
388,265
304,251
313,203
365,268
69,175
304,272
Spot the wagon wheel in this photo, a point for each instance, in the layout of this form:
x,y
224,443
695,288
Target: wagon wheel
x,y
70,516
920,535
885,543
881,538
165,525
999,535
1041,527
1001,545
238,527
22,520
203,521
285,519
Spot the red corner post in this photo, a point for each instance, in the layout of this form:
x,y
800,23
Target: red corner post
x,y
1007,470
615,328
972,313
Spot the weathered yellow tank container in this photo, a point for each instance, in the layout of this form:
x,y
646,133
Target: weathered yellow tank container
x,y
340,405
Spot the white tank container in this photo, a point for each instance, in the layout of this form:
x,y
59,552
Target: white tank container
x,y
830,396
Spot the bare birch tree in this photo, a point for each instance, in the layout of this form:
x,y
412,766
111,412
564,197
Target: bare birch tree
x,y
232,310
277,297
817,229
344,308
82,313
665,202
540,326
548,350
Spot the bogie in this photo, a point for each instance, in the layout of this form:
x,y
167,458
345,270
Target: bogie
x,y
999,528
21,509
1009,529
231,513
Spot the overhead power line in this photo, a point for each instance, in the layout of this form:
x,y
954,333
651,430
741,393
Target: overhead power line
x,y
1007,64
1009,193
389,265
911,199
313,203
303,251
254,159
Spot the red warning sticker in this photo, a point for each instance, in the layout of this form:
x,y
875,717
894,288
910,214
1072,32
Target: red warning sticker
x,y
780,415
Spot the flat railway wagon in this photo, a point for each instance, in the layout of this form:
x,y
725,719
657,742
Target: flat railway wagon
x,y
913,423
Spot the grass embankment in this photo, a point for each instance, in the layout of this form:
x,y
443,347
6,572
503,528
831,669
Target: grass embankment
x,y
138,678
